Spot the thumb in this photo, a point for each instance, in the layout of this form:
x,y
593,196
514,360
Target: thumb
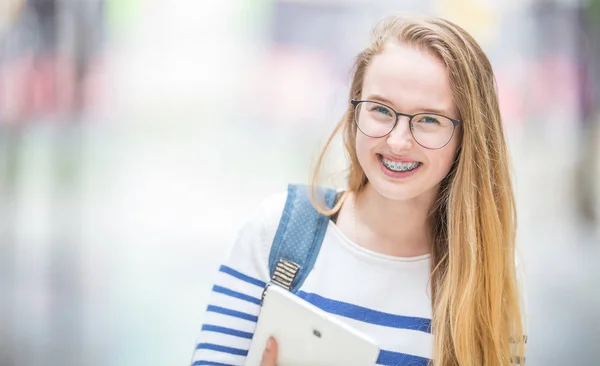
x,y
270,354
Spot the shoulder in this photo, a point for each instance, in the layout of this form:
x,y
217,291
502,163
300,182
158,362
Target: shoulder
x,y
267,214
254,238
263,220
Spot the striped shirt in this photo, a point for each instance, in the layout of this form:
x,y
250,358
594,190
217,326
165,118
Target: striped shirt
x,y
386,297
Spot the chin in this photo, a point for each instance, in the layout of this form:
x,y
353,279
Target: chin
x,y
396,192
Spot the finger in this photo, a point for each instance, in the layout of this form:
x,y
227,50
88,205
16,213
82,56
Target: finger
x,y
270,354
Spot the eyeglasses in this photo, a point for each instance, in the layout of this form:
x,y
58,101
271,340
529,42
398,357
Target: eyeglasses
x,y
430,130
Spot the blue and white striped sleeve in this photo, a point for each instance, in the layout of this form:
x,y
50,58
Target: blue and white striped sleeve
x,y
234,304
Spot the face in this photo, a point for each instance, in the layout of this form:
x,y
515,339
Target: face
x,y
410,81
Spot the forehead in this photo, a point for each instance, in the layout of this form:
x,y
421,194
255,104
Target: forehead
x,y
412,79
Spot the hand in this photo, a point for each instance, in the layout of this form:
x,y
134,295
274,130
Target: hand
x,y
270,354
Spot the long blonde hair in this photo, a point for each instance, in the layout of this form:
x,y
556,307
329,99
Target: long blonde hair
x,y
475,302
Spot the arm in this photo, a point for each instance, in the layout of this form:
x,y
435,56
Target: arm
x,y
234,304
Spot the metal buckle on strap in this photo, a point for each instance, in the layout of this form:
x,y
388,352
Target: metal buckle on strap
x,y
283,276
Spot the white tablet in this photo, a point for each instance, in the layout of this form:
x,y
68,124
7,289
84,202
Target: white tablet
x,y
307,335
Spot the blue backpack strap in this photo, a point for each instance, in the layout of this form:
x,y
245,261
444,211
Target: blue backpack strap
x,y
298,238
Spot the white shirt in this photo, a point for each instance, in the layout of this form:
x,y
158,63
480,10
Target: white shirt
x,y
386,297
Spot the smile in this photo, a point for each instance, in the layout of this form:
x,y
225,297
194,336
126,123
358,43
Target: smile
x,y
398,166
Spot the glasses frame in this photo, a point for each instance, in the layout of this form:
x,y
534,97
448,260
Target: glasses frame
x,y
356,102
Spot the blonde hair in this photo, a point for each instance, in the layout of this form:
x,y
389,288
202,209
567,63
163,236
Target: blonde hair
x,y
475,296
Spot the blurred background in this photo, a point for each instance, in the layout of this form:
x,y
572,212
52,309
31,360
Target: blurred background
x,y
136,135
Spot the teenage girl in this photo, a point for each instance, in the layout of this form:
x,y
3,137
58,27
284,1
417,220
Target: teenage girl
x,y
419,250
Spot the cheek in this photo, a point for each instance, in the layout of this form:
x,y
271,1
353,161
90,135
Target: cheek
x,y
441,160
439,167
363,146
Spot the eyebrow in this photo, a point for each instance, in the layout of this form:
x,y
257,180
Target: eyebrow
x,y
382,99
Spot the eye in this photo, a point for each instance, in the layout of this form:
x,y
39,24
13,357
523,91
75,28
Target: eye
x,y
383,110
428,119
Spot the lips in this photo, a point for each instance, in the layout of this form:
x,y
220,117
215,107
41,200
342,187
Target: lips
x,y
398,165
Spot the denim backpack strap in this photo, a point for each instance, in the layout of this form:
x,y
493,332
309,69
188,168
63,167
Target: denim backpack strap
x,y
298,238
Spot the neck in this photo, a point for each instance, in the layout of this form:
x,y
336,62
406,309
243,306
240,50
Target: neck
x,y
398,228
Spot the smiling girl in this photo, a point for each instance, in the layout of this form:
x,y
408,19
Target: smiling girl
x,y
419,248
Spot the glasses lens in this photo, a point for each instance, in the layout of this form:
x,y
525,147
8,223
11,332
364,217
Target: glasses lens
x,y
374,119
431,130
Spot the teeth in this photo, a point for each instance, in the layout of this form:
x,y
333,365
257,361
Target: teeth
x,y
398,166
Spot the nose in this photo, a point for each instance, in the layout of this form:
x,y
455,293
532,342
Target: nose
x,y
401,139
